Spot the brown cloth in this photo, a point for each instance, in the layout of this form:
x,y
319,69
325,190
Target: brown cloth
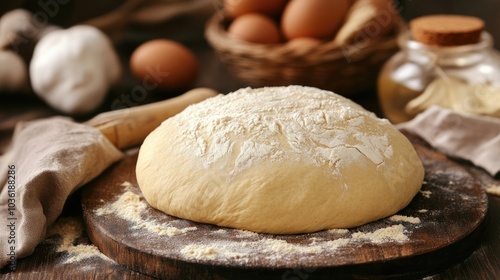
x,y
470,137
51,158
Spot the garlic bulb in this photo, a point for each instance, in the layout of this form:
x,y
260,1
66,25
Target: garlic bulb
x,y
73,69
13,72
20,27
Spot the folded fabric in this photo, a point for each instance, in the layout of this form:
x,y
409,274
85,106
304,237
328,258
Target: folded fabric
x,y
47,161
470,137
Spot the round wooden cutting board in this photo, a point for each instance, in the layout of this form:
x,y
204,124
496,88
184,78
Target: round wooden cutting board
x,y
442,225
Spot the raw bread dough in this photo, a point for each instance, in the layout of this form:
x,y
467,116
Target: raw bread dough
x,y
278,160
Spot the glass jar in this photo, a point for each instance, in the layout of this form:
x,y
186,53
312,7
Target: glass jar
x,y
463,78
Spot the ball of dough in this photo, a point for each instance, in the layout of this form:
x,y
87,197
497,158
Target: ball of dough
x,y
279,160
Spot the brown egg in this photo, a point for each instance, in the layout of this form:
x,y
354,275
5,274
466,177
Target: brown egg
x,y
164,64
236,8
255,28
313,18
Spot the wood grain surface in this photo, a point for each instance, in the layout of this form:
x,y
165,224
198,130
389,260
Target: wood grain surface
x,y
449,230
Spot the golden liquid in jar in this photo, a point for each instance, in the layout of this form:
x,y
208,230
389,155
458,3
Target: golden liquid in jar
x,y
393,97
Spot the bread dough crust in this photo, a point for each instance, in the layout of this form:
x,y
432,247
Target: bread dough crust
x,y
279,160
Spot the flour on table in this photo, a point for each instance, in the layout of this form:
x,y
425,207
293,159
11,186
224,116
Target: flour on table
x,y
199,252
423,211
338,231
401,218
71,228
393,233
281,246
128,186
334,244
426,194
130,207
278,249
245,233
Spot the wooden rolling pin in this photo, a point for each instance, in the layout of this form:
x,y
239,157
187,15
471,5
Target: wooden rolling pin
x,y
128,127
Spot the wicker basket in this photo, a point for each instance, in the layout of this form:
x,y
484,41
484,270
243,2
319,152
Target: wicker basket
x,y
345,69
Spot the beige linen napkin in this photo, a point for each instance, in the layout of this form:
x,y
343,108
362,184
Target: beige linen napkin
x,y
48,160
470,137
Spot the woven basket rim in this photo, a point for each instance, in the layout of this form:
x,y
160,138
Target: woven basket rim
x,y
218,37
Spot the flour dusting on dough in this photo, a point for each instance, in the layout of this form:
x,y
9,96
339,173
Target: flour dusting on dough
x,y
323,137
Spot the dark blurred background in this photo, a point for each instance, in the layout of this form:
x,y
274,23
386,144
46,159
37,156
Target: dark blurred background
x,y
185,20
72,12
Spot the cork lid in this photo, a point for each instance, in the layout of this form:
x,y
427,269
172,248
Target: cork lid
x,y
447,30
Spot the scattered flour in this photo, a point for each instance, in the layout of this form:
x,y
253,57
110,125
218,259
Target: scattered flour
x,y
199,252
245,233
237,256
281,246
426,194
493,189
393,233
128,186
171,231
401,218
334,244
71,228
213,251
130,206
277,249
423,211
338,231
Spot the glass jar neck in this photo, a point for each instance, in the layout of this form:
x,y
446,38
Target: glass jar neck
x,y
454,56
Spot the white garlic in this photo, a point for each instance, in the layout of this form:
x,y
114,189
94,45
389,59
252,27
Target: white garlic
x,y
21,27
73,69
